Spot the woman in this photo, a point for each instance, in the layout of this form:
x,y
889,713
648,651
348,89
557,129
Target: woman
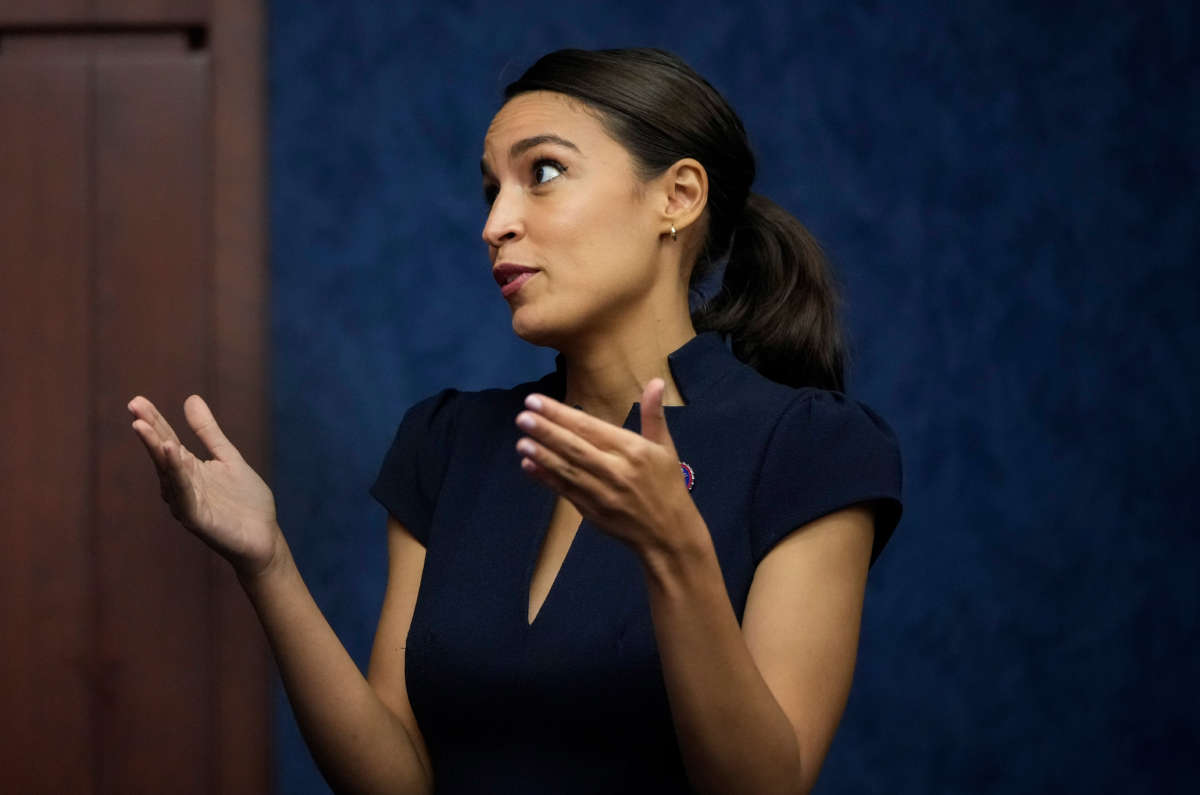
x,y
643,572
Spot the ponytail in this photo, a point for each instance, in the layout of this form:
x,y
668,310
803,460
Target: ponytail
x,y
778,302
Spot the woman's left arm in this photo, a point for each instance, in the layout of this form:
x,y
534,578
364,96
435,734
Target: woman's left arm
x,y
755,706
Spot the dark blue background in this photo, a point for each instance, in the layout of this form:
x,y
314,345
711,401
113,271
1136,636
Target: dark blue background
x,y
1009,190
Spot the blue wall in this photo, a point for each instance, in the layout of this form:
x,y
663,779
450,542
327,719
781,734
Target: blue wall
x,y
1009,190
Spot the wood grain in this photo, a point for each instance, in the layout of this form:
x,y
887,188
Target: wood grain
x,y
152,301
46,669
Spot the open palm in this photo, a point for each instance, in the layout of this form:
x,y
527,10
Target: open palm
x,y
221,500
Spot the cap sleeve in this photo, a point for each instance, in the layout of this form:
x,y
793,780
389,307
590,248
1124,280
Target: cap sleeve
x,y
415,465
827,452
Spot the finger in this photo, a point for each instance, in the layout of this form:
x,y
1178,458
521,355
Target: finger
x,y
142,408
200,417
600,433
558,485
152,442
568,476
168,457
567,445
177,478
173,455
654,418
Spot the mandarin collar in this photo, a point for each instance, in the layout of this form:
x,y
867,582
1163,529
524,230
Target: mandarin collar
x,y
696,366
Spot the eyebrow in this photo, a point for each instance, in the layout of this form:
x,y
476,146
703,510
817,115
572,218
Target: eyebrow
x,y
525,144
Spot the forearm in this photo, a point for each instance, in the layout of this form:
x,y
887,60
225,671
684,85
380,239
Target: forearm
x,y
358,743
733,735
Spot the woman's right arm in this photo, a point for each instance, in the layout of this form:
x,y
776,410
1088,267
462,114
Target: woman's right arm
x,y
364,738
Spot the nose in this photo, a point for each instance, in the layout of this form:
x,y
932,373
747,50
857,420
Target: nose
x,y
504,223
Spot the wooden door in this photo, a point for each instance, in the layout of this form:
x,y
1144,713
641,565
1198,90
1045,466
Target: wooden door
x,y
131,246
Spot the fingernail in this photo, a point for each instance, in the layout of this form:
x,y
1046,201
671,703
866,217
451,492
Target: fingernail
x,y
524,447
534,402
525,420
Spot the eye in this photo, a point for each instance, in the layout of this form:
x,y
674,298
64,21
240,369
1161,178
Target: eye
x,y
546,170
489,194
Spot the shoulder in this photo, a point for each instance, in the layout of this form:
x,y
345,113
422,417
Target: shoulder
x,y
822,451
829,436
834,418
806,410
796,409
447,426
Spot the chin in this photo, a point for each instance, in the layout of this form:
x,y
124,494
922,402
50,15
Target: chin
x,y
534,335
536,330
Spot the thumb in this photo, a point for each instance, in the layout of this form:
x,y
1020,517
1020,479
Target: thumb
x,y
201,419
654,419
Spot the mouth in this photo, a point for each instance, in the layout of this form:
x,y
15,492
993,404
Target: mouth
x,y
511,277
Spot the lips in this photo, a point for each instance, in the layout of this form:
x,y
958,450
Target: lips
x,y
511,277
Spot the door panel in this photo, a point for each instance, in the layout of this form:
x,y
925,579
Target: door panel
x,y
45,467
131,242
151,321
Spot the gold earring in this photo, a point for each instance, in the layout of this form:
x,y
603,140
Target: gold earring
x,y
674,234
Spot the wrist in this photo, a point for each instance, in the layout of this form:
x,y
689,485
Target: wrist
x,y
252,574
680,555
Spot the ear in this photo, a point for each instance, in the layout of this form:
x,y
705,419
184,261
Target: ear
x,y
685,193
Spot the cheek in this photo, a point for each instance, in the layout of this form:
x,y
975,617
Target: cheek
x,y
605,245
599,256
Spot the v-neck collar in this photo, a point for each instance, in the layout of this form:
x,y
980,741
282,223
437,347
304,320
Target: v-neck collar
x,y
696,366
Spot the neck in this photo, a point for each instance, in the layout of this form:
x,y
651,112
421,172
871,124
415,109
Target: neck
x,y
607,372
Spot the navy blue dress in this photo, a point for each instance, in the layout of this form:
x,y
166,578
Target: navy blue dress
x,y
575,702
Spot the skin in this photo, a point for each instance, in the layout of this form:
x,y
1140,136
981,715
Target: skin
x,y
611,295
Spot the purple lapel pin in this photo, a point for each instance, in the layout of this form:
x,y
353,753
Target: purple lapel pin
x,y
689,477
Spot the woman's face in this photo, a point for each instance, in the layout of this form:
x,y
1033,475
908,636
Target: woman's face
x,y
568,212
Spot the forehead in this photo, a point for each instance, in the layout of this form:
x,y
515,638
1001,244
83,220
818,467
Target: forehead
x,y
542,113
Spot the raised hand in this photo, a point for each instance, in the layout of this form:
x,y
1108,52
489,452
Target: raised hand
x,y
630,485
222,500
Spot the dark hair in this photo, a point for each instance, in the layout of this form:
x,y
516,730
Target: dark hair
x,y
777,302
